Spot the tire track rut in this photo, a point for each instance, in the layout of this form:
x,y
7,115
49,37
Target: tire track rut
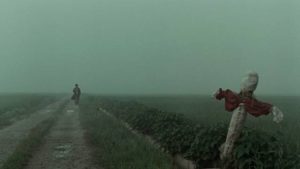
x,y
65,146
13,134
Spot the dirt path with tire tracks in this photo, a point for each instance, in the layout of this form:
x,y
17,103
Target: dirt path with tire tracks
x,y
13,134
65,146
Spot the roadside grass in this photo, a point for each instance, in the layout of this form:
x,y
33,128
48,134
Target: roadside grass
x,y
27,147
16,107
115,147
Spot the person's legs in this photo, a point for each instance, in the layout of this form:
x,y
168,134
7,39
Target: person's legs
x,y
77,101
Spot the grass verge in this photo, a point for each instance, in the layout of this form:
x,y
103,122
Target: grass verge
x,y
115,147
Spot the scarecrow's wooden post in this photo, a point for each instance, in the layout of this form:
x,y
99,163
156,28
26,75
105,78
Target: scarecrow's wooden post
x,y
234,131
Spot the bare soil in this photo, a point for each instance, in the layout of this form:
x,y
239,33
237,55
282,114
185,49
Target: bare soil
x,y
65,146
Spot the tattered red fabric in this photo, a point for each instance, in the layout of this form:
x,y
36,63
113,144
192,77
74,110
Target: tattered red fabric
x,y
252,106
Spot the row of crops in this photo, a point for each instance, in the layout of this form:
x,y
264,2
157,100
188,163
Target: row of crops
x,y
179,135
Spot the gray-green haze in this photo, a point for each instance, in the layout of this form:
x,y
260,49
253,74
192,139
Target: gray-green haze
x,y
148,46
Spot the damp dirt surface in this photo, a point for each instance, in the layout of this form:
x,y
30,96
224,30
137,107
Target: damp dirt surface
x,y
65,146
12,135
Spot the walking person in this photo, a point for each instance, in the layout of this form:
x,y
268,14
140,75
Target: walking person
x,y
76,94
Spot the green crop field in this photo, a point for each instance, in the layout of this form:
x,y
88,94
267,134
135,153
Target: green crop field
x,y
196,126
206,110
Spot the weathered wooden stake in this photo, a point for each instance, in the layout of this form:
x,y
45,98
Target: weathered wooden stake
x,y
238,102
235,128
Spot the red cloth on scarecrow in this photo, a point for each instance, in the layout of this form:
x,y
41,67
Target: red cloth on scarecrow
x,y
252,106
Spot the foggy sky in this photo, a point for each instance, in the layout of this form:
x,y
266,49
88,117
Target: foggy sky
x,y
148,46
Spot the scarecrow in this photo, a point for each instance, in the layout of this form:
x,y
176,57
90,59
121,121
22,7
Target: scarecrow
x,y
241,104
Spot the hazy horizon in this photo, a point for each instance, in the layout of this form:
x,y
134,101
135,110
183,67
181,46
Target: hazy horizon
x,y
138,47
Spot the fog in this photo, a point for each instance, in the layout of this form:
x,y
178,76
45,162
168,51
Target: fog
x,y
148,46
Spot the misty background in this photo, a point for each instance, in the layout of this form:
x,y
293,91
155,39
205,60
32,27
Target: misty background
x,y
148,46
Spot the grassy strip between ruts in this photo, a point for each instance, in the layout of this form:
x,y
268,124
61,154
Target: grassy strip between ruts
x,y
24,151
115,147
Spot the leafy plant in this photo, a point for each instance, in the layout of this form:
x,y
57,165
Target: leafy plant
x,y
178,135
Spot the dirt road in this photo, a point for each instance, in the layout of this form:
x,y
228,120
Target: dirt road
x,y
65,147
12,135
